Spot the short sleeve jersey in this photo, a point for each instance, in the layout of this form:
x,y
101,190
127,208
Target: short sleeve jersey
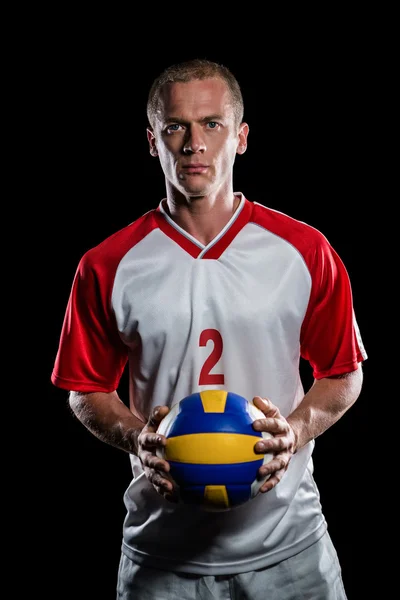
x,y
237,314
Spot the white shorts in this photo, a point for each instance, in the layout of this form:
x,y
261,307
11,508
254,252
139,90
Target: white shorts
x,y
313,574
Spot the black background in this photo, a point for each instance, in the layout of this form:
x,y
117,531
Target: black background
x,y
309,154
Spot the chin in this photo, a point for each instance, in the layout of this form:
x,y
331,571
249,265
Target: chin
x,y
194,186
191,191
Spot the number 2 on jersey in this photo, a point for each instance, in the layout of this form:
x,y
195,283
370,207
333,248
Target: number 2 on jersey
x,y
207,378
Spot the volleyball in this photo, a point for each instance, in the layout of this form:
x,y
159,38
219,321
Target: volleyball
x,y
210,449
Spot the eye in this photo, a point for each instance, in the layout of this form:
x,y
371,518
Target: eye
x,y
213,124
173,127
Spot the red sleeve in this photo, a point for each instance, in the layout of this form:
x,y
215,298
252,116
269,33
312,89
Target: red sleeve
x,y
330,338
91,356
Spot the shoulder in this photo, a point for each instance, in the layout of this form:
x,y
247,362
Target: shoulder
x,y
112,249
303,236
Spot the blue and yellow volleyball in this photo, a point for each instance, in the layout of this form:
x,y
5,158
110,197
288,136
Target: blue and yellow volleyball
x,y
210,449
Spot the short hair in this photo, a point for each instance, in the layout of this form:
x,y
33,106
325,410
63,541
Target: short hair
x,y
191,70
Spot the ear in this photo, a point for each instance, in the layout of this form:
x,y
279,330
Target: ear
x,y
152,142
243,133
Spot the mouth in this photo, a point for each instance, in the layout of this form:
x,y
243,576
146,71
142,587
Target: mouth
x,y
194,169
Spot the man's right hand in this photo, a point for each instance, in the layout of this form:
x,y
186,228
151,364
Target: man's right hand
x,y
156,469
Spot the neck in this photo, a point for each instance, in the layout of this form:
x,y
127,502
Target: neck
x,y
203,217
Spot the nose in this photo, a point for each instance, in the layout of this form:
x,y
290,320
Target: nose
x,y
194,140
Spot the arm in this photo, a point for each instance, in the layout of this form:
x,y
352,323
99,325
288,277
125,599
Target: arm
x,y
324,404
110,420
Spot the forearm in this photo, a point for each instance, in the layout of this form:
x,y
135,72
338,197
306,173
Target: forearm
x,y
325,403
108,418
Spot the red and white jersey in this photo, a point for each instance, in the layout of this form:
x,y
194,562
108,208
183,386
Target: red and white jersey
x,y
237,315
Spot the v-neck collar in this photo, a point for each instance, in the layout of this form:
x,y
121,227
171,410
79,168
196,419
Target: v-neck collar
x,y
216,247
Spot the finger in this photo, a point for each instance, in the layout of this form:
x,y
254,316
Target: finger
x,y
266,406
272,445
163,485
277,464
170,495
271,425
151,441
156,416
154,462
271,482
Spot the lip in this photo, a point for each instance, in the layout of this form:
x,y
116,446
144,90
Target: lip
x,y
197,168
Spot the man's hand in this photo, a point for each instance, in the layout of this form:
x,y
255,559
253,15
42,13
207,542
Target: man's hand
x,y
156,469
282,444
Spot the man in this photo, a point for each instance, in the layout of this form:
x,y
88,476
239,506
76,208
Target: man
x,y
210,290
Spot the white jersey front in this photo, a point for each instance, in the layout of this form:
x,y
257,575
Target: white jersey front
x,y
237,315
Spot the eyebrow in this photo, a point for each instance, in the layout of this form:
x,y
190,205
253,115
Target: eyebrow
x,y
215,117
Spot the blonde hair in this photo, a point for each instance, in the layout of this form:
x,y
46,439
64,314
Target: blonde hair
x,y
188,71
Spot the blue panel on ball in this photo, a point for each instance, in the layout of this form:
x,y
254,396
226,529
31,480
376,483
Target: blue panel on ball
x,y
193,419
236,473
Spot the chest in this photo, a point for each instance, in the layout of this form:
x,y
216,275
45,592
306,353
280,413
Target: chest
x,y
259,281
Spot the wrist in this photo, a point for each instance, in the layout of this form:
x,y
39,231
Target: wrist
x,y
135,439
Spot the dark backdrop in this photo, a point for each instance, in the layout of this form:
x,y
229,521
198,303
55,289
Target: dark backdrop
x,y
307,155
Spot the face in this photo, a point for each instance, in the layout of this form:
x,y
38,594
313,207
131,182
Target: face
x,y
195,136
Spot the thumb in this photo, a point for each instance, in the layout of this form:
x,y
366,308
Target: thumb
x,y
156,416
266,406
